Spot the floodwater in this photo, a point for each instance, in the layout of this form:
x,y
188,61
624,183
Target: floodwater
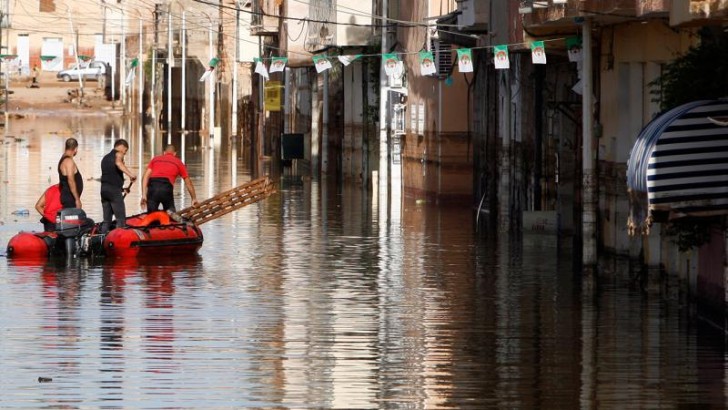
x,y
324,297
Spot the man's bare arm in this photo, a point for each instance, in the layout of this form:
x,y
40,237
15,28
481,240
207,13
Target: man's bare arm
x,y
40,205
120,164
145,181
191,190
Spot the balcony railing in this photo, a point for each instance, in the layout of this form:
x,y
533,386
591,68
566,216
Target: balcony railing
x,y
264,21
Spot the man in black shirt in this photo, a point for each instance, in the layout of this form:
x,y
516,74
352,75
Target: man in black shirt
x,y
112,185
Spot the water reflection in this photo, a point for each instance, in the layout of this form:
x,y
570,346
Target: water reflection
x,y
318,298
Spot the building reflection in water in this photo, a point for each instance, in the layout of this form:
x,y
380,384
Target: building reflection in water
x,y
327,295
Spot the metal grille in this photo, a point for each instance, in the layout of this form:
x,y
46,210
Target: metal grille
x,y
443,57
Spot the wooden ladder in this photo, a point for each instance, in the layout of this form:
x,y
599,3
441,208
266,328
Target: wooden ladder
x,y
228,201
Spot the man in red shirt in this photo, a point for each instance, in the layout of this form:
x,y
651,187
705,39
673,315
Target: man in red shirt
x,y
158,181
48,206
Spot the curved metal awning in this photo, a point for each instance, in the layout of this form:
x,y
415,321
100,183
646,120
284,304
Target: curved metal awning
x,y
680,159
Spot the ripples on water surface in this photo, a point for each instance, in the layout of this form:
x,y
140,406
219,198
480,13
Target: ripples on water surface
x,y
312,300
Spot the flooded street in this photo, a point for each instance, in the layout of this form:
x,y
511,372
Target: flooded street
x,y
317,298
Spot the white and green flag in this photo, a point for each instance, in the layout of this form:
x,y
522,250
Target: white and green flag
x,y
260,68
321,63
427,63
278,64
538,53
465,60
346,60
573,47
390,62
500,57
132,71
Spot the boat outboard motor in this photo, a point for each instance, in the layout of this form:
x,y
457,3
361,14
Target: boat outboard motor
x,y
70,224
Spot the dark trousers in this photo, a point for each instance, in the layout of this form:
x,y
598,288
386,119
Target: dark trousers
x,y
112,203
48,226
160,191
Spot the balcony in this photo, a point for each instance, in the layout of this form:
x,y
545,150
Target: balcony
x,y
265,18
549,16
694,12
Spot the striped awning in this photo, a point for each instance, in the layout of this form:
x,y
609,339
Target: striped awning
x,y
680,159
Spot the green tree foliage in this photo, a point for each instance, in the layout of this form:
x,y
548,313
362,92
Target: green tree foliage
x,y
701,73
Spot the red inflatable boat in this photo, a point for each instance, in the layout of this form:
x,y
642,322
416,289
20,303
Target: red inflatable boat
x,y
152,234
31,245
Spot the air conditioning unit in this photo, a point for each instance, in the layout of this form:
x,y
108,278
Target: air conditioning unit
x,y
443,57
474,15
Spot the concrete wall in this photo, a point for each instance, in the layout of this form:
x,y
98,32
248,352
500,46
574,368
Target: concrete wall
x,y
631,57
28,21
437,152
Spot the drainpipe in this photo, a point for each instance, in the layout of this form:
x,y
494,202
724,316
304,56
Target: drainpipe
x,y
589,212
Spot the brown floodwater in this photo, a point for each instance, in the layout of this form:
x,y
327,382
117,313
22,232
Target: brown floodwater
x,y
323,297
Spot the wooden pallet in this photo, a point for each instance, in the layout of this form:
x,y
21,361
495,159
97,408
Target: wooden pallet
x,y
229,201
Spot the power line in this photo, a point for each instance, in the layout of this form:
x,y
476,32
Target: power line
x,y
263,14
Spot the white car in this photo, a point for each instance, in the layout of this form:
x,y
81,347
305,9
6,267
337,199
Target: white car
x,y
89,71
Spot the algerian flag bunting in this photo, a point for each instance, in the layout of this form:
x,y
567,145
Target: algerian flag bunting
x,y
321,63
346,60
390,62
500,57
427,63
211,67
260,68
538,53
573,46
465,60
278,64
132,71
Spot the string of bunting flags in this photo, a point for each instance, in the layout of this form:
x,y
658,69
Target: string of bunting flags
x,y
392,61
428,67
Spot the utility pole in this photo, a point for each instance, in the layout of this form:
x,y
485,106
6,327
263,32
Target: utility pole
x,y
122,63
183,107
170,62
234,122
589,178
78,61
153,89
383,183
2,19
140,68
213,82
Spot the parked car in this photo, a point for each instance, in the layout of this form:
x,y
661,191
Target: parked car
x,y
92,70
